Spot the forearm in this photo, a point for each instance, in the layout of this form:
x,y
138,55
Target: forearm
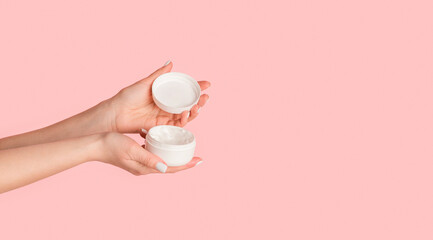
x,y
24,165
94,120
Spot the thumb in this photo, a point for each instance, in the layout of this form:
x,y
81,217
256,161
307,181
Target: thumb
x,y
150,160
164,69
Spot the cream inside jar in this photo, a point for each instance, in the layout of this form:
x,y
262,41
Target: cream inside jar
x,y
174,145
171,135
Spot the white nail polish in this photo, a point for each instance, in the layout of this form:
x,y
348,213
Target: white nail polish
x,y
198,163
168,62
161,167
144,131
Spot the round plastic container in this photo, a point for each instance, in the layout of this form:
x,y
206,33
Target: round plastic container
x,y
174,145
175,92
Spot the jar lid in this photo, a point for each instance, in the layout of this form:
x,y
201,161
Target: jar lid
x,y
175,92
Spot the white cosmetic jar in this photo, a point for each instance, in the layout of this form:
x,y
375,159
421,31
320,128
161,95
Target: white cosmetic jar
x,y
175,92
174,145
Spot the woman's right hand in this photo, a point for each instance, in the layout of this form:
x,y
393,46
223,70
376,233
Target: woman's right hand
x,y
122,151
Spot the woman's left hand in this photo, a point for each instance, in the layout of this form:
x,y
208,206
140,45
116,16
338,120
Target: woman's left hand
x,y
133,107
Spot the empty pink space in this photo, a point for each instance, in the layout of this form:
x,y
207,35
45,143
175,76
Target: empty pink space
x,y
319,123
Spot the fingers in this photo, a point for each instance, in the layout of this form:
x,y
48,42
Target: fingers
x,y
194,162
183,119
143,133
150,160
187,116
196,109
141,168
194,113
204,85
137,168
203,99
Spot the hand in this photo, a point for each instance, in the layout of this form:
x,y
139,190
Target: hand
x,y
121,151
134,108
129,111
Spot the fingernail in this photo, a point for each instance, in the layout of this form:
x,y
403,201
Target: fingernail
x,y
198,110
198,163
144,131
189,113
168,62
161,167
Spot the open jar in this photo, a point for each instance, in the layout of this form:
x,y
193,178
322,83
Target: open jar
x,y
173,144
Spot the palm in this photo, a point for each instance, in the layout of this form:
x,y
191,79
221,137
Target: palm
x,y
135,108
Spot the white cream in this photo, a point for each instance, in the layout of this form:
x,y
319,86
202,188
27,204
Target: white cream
x,y
169,135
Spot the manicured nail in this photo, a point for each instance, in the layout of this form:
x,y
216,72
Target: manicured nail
x,y
144,131
168,62
198,110
161,167
198,163
189,113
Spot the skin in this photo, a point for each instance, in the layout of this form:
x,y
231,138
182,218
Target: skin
x,y
94,135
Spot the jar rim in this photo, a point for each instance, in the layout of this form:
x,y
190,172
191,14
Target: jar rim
x,y
156,143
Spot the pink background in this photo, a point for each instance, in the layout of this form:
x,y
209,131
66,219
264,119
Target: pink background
x,y
319,123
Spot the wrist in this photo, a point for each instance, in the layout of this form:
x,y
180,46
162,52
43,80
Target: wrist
x,y
95,147
106,111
